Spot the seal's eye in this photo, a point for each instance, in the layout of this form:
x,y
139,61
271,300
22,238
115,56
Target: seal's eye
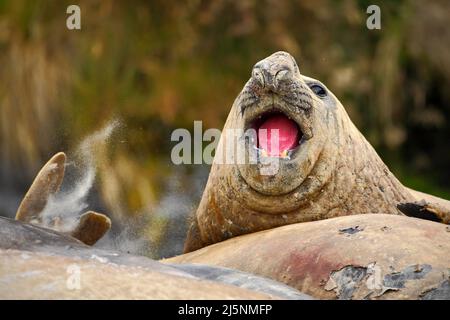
x,y
318,90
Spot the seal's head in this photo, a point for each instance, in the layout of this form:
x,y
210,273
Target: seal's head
x,y
299,158
285,117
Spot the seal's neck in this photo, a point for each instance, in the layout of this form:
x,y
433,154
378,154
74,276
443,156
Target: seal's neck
x,y
348,178
361,181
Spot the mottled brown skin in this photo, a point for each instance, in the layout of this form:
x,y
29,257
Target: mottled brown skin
x,y
334,172
369,256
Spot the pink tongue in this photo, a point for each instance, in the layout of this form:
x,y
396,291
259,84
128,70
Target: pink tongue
x,y
287,135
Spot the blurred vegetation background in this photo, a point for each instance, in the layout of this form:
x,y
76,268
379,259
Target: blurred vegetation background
x,y
160,65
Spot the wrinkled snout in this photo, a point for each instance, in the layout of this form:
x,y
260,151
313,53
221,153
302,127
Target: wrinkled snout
x,y
274,71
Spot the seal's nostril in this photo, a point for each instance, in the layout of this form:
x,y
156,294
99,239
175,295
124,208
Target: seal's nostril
x,y
258,76
281,76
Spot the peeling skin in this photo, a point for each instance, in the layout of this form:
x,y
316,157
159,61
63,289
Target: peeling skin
x,y
369,281
442,292
401,257
398,280
345,281
334,172
351,230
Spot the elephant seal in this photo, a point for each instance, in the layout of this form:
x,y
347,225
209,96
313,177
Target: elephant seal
x,y
367,256
324,166
40,263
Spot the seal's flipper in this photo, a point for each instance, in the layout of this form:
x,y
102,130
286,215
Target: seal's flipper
x,y
47,182
426,207
91,227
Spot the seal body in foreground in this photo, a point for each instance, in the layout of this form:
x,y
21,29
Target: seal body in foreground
x,y
324,167
40,263
368,256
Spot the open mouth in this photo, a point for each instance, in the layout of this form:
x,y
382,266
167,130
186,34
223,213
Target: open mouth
x,y
277,135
